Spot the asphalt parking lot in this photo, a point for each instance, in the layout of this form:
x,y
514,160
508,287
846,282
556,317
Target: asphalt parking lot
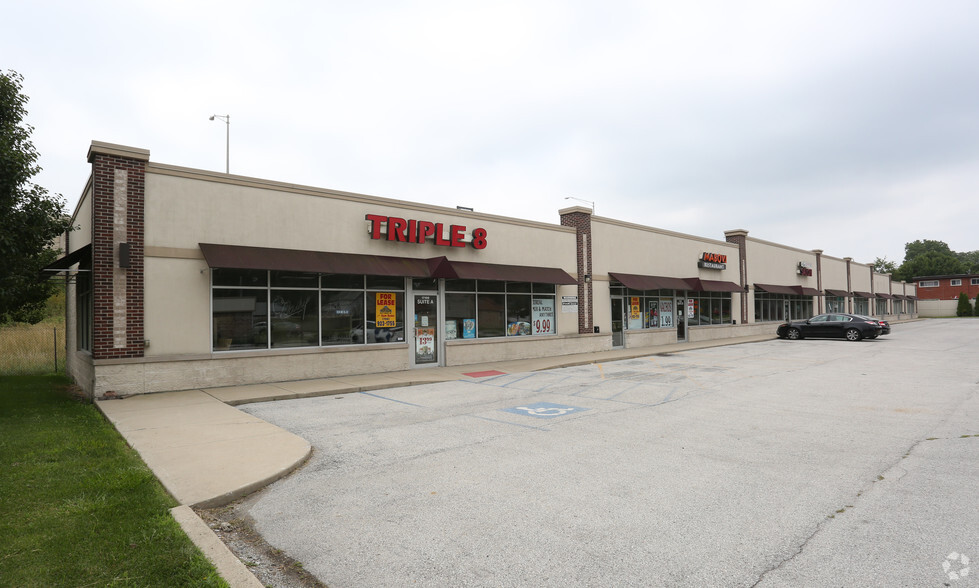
x,y
780,463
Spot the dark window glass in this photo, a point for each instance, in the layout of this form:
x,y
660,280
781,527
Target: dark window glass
x,y
295,280
239,277
518,315
381,331
351,281
385,283
295,318
491,317
460,285
240,319
460,316
519,287
425,284
544,288
343,317
491,286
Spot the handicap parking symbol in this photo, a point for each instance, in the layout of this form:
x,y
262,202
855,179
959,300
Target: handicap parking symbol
x,y
544,410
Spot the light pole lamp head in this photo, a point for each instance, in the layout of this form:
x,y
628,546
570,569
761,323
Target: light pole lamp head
x,y
212,117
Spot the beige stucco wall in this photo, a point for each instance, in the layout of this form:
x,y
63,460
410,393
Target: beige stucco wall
x,y
834,273
187,207
771,263
177,305
634,249
860,277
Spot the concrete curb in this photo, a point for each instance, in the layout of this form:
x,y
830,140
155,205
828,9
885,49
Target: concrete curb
x,y
228,565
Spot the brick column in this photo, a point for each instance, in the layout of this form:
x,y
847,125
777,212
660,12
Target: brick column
x,y
849,285
819,277
580,218
118,184
740,238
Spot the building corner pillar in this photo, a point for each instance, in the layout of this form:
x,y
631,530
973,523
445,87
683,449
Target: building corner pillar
x,y
739,237
579,218
118,191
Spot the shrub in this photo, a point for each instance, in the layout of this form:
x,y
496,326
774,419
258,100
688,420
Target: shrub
x,y
965,307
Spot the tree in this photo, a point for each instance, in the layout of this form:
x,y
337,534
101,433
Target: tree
x,y
965,307
971,261
30,218
882,266
929,258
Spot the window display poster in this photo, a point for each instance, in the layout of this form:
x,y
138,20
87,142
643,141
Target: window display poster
x,y
468,328
542,316
385,304
666,313
691,308
451,329
635,313
424,345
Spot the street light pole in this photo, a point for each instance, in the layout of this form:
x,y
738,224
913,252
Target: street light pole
x,y
227,139
582,200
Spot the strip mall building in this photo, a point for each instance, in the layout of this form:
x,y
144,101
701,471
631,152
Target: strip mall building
x,y
182,278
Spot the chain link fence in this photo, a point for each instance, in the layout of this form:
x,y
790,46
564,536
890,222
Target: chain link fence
x,y
31,350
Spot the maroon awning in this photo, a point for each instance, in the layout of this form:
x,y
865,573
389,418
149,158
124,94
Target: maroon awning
x,y
637,282
807,291
837,292
713,285
773,289
882,295
62,264
327,262
471,270
324,262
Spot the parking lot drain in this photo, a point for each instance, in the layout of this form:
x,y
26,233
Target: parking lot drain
x,y
544,410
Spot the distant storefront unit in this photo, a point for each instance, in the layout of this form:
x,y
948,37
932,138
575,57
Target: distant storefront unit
x,y
182,278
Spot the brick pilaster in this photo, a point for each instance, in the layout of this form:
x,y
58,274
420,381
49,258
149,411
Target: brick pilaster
x,y
740,238
819,277
849,284
118,191
580,218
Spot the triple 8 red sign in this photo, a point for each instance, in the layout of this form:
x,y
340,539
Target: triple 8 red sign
x,y
419,231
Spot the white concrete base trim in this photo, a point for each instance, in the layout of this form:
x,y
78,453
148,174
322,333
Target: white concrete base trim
x,y
230,567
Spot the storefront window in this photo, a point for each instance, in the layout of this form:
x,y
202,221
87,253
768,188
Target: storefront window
x,y
881,307
491,315
861,306
460,315
498,309
778,307
343,321
835,304
240,319
294,320
518,313
710,308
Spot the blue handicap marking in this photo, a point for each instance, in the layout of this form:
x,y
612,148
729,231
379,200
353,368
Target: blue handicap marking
x,y
544,410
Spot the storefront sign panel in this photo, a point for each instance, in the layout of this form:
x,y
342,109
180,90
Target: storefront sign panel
x,y
569,304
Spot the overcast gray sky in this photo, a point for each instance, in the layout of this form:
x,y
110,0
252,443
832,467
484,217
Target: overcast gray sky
x,y
848,126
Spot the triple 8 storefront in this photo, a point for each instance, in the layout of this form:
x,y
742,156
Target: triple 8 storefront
x,y
181,278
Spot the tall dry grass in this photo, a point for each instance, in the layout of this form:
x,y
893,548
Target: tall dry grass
x,y
32,349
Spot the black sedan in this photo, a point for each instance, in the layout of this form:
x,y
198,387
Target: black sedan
x,y
843,326
884,325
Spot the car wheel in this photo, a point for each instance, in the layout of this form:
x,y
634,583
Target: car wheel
x,y
793,334
853,335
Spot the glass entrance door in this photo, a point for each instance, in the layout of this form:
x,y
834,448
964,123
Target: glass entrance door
x,y
681,320
617,311
426,339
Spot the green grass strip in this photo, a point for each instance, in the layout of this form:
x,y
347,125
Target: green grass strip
x,y
77,506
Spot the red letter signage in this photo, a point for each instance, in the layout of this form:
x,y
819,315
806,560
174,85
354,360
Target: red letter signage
x,y
392,228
